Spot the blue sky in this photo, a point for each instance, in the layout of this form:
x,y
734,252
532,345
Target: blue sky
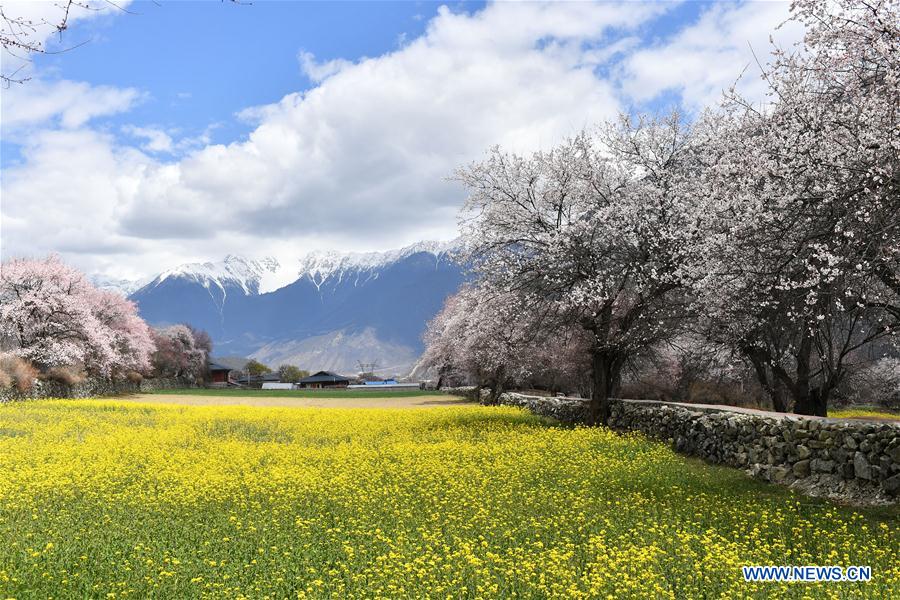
x,y
189,130
200,62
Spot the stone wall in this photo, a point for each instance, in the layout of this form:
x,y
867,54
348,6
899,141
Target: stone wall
x,y
466,391
566,410
850,460
89,388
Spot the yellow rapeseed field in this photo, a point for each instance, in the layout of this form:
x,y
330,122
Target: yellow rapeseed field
x,y
858,413
119,500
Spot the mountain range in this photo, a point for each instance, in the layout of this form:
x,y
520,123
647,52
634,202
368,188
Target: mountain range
x,y
327,310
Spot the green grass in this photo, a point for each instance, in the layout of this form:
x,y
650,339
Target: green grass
x,y
323,393
105,499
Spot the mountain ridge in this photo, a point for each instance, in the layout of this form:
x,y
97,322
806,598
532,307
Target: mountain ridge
x,y
266,274
362,306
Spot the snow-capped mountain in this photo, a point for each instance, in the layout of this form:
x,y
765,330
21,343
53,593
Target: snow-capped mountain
x,y
268,274
331,267
325,310
234,271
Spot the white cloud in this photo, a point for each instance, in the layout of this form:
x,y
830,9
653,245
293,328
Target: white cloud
x,y
358,162
370,147
704,58
320,71
67,104
68,194
157,140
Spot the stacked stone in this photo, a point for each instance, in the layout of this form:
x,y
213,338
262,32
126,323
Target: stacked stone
x,y
90,388
817,455
565,410
467,391
782,448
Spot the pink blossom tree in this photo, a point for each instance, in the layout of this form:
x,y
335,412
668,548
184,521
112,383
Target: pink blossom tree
x,y
480,337
129,344
493,341
51,315
181,352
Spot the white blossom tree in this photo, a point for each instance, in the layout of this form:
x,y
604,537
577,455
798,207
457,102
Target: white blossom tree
x,y
596,232
801,205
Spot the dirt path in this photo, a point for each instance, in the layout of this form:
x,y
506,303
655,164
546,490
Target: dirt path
x,y
400,402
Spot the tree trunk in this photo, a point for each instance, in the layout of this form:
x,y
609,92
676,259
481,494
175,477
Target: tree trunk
x,y
497,385
767,379
808,400
605,375
779,404
820,403
802,401
811,402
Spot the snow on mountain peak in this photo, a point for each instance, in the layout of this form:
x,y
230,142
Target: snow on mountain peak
x,y
121,286
322,265
234,270
267,274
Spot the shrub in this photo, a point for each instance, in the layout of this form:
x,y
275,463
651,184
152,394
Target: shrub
x,y
730,393
67,375
877,383
134,377
17,371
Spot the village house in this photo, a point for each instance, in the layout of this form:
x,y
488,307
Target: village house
x,y
324,379
219,375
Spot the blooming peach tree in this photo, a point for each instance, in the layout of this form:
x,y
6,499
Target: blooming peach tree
x,y
801,205
494,340
181,352
51,315
595,232
481,337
